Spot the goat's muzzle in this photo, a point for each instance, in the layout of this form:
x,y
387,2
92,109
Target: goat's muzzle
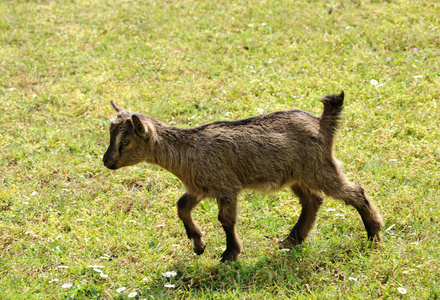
x,y
108,162
112,167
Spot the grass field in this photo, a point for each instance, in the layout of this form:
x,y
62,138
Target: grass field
x,y
193,62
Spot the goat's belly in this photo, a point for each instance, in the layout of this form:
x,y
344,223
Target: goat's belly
x,y
268,186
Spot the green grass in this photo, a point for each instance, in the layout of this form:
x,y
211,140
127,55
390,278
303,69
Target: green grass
x,y
193,62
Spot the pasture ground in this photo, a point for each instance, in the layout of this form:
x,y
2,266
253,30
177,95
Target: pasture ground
x,y
193,62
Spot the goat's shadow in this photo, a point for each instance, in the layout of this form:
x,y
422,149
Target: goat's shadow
x,y
290,270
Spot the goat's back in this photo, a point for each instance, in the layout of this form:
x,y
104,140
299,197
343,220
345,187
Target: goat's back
x,y
264,152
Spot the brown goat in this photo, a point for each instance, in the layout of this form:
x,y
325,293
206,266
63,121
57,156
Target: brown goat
x,y
268,152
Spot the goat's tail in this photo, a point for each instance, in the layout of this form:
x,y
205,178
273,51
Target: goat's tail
x,y
333,105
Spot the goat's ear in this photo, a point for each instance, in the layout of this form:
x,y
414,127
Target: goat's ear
x,y
140,127
119,109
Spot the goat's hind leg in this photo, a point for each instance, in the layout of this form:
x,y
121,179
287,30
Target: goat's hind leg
x,y
310,201
227,216
339,187
355,196
185,205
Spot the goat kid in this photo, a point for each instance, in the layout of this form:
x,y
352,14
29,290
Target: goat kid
x,y
267,152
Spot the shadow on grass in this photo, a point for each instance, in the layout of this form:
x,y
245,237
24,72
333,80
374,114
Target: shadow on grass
x,y
293,271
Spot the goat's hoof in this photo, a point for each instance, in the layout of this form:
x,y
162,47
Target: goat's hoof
x,y
377,237
229,255
198,246
290,242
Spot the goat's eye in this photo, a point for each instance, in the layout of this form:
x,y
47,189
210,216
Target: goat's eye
x,y
125,142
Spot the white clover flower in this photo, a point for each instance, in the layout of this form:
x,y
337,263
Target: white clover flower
x,y
401,290
67,286
132,295
391,227
169,274
62,267
170,286
95,267
121,289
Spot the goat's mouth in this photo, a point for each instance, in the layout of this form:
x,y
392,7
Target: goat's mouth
x,y
112,166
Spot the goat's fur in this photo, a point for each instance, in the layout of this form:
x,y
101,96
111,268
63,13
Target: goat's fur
x,y
268,152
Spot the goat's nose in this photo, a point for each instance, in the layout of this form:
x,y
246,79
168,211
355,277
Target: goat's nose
x,y
107,154
107,162
105,158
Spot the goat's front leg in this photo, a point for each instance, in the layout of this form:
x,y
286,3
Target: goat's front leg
x,y
228,218
185,205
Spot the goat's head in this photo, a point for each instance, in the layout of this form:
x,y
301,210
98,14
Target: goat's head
x,y
131,136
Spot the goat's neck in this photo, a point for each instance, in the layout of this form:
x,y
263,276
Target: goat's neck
x,y
173,149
